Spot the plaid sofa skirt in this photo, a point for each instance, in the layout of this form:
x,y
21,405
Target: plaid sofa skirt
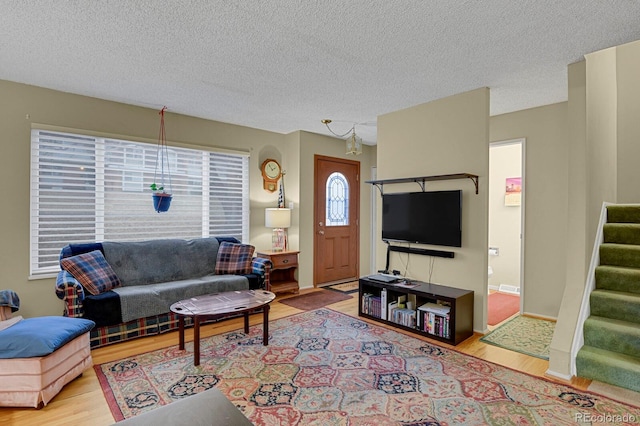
x,y
106,335
149,326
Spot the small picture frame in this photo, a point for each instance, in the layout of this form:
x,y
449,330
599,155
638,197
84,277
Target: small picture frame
x,y
513,192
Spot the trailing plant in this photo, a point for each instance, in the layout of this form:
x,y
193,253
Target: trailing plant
x,y
158,190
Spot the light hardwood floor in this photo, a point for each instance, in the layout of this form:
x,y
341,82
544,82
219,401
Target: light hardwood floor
x,y
82,402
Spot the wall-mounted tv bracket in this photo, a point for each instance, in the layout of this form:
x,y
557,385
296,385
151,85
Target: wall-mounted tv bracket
x,y
423,179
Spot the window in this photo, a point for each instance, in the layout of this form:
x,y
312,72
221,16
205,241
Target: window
x,y
337,200
86,189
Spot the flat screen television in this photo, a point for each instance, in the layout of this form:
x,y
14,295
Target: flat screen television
x,y
423,217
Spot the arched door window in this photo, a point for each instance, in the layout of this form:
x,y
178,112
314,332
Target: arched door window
x,y
337,200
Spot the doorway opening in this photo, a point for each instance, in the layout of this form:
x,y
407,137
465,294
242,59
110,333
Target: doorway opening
x,y
506,230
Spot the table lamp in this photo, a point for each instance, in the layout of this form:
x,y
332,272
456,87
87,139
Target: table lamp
x,y
279,220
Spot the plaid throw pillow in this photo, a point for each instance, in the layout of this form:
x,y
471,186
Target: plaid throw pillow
x,y
92,271
234,258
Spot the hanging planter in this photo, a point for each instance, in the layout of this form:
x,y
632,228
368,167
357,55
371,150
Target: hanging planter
x,y
161,197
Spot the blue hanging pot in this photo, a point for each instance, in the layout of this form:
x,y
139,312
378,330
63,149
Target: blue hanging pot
x,y
161,202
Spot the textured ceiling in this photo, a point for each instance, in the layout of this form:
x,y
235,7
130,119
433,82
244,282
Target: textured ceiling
x,y
284,65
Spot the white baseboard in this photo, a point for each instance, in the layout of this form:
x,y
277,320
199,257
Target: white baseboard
x,y
545,317
551,373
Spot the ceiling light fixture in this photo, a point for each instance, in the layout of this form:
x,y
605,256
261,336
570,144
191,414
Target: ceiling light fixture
x,y
354,142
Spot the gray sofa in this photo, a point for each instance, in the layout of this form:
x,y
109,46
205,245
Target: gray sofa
x,y
126,288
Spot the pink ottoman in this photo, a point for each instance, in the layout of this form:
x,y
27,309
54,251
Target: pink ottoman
x,y
38,356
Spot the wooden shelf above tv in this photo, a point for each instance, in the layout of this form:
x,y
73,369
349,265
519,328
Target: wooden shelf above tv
x,y
423,179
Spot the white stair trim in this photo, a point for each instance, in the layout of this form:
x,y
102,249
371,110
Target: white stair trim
x,y
590,285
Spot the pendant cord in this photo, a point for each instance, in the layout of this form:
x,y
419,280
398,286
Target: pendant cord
x,y
163,153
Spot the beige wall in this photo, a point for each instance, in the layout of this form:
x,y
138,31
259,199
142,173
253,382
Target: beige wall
x,y
450,135
628,82
505,161
602,152
23,106
613,108
545,230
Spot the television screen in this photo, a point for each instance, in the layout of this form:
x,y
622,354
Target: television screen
x,y
423,217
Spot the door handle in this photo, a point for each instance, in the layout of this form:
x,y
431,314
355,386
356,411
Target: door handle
x,y
321,232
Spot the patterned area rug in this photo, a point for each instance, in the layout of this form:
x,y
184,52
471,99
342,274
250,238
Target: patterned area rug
x,y
326,368
315,300
531,336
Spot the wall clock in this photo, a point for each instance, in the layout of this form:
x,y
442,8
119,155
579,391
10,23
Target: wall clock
x,y
271,172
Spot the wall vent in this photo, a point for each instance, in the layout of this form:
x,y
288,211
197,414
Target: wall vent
x,y
506,288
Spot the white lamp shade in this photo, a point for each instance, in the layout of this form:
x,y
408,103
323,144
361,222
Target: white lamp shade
x,y
277,218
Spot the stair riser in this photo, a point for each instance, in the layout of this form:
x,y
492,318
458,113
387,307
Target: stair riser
x,y
623,214
614,308
618,279
621,233
622,340
620,255
600,369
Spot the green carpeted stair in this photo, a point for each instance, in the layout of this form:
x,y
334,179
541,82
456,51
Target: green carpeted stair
x,y
611,351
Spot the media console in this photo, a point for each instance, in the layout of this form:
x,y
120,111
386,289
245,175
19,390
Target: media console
x,y
435,311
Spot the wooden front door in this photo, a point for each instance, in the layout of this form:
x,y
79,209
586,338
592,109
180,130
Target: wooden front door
x,y
336,220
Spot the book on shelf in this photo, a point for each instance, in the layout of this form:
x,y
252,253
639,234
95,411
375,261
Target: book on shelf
x,y
391,306
371,305
434,323
412,301
434,319
402,301
383,304
404,316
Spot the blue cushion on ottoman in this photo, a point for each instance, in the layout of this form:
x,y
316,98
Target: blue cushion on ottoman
x,y
40,336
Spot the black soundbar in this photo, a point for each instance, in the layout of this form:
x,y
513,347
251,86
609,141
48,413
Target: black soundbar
x,y
424,252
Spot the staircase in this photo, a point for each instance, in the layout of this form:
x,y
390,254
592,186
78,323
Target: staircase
x,y
611,350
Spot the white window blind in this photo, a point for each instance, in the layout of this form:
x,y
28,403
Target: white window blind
x,y
87,189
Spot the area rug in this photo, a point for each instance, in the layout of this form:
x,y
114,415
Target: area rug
x,y
531,336
325,368
501,306
315,300
350,287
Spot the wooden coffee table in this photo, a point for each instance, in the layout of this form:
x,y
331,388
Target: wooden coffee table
x,y
221,305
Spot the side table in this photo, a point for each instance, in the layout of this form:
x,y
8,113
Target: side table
x,y
283,272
